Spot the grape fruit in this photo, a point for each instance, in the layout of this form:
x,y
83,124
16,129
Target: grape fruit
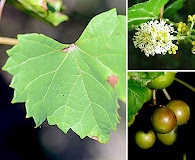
x,y
168,138
163,120
145,140
181,110
162,81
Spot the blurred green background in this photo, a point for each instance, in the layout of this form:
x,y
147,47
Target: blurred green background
x,y
183,60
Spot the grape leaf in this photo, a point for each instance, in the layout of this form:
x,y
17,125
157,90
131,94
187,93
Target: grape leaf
x,y
68,84
143,12
46,10
137,96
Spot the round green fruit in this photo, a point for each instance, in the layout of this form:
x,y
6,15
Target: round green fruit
x,y
168,138
163,120
162,81
145,140
181,110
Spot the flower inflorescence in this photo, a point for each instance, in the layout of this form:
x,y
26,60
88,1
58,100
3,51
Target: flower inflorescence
x,y
182,28
191,18
155,37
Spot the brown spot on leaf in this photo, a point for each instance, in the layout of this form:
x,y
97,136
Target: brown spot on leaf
x,y
112,80
65,49
69,48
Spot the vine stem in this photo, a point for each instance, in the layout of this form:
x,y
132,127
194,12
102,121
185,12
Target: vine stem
x,y
185,84
8,41
2,3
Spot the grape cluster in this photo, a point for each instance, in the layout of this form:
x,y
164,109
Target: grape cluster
x,y
166,119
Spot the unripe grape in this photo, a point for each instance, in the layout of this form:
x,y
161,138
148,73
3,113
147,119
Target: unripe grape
x,y
163,120
168,138
145,140
162,81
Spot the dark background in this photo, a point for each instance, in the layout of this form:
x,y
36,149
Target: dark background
x,y
184,59
185,139
19,140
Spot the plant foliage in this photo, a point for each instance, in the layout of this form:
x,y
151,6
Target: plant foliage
x,y
68,84
46,10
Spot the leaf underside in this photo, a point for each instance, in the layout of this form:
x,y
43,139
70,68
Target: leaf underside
x,y
67,84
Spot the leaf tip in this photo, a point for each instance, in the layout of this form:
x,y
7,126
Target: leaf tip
x,y
113,80
95,138
3,68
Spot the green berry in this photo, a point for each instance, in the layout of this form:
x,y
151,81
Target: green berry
x,y
145,140
162,81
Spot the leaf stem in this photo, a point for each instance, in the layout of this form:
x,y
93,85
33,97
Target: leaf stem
x,y
161,12
8,41
185,84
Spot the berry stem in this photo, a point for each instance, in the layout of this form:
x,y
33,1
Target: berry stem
x,y
185,84
154,97
166,94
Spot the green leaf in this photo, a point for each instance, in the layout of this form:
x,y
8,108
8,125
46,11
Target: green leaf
x,y
67,84
137,96
46,10
107,38
173,8
143,12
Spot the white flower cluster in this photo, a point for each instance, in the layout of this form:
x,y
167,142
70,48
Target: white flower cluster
x,y
155,37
